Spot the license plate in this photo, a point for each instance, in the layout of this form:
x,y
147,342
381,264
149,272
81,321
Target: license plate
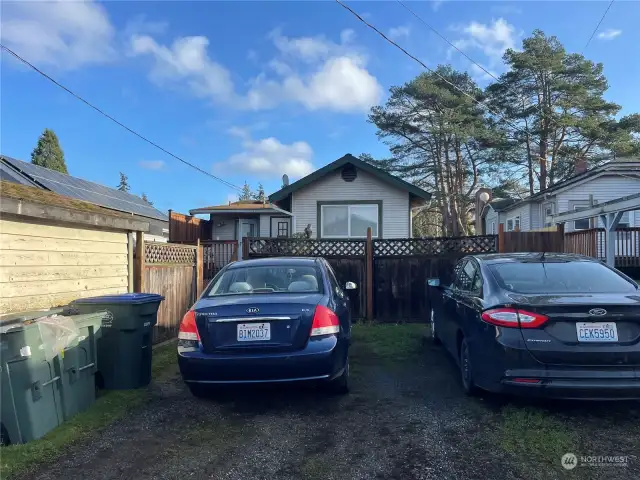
x,y
254,332
597,332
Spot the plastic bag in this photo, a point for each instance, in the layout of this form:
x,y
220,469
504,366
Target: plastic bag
x,y
57,332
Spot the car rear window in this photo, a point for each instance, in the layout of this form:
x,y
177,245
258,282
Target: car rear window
x,y
563,277
267,279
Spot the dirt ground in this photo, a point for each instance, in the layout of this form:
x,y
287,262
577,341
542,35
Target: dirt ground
x,y
406,418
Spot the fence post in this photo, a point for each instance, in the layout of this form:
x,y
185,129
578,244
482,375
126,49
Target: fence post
x,y
501,238
139,270
560,233
245,248
369,274
170,222
199,268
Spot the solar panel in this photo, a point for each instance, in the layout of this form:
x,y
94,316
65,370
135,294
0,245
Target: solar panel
x,y
88,191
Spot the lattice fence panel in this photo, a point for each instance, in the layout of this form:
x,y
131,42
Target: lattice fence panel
x,y
169,253
292,247
429,247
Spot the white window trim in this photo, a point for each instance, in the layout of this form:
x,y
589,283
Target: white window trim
x,y
349,206
493,228
575,209
513,221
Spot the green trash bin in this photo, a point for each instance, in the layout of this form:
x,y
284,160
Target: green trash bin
x,y
79,363
124,347
30,384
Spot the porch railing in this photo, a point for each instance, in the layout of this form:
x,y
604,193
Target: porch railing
x,y
217,254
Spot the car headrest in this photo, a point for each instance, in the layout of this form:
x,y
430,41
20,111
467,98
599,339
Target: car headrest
x,y
311,280
239,287
300,286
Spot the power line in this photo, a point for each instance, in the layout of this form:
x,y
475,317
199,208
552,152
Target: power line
x,y
101,112
402,49
598,25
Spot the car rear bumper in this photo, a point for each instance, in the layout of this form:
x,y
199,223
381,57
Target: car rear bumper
x,y
582,383
322,359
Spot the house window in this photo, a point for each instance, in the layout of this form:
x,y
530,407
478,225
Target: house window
x,y
349,221
583,223
283,229
513,224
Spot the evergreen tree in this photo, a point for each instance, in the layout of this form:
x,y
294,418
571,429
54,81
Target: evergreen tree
x,y
144,197
260,195
48,153
247,193
124,183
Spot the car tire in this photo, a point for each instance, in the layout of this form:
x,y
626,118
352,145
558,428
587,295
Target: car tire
x,y
466,369
199,391
432,324
340,385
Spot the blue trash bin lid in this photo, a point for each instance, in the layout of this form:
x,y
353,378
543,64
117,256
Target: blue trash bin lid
x,y
124,298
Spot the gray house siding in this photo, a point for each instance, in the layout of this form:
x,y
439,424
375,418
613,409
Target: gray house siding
x,y
224,232
492,221
264,226
331,188
523,211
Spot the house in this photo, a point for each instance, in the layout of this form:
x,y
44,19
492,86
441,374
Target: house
x,y
24,173
339,201
55,249
586,188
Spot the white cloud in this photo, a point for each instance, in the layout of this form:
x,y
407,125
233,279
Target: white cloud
x,y
396,33
347,36
270,158
436,4
312,71
152,164
609,34
66,34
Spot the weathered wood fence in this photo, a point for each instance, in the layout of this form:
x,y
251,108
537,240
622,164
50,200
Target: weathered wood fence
x,y
174,271
188,229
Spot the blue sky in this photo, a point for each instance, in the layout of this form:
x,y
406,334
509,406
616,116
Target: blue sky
x,y
252,90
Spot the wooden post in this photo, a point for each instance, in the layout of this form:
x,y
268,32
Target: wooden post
x,y
130,264
199,268
170,213
245,248
234,253
139,270
560,233
501,238
369,274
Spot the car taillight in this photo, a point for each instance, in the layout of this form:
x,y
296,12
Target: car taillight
x,y
188,333
510,317
325,322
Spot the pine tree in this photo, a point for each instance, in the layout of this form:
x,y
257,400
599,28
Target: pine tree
x,y
260,195
144,197
48,153
124,183
247,193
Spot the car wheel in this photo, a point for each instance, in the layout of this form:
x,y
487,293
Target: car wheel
x,y
340,385
432,323
466,370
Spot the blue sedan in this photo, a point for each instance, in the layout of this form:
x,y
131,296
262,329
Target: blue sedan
x,y
268,320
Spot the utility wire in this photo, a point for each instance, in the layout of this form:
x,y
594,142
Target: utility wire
x,y
402,49
142,137
598,25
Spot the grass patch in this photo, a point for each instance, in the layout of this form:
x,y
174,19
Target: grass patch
x,y
388,343
109,407
533,434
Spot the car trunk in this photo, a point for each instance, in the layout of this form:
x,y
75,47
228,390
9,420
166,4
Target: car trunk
x,y
556,342
256,322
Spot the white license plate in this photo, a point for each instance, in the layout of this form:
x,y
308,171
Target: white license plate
x,y
254,332
597,332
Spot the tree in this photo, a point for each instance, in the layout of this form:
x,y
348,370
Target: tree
x,y
124,183
48,153
144,197
260,195
440,140
556,113
247,193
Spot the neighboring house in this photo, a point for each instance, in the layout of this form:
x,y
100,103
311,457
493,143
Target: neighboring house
x,y
339,201
602,184
24,173
55,249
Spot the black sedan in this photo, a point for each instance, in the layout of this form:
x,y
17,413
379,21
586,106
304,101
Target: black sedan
x,y
557,325
266,321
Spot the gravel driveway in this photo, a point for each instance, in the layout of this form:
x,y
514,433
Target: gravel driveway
x,y
406,418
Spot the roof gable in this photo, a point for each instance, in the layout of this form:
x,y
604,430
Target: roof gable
x,y
348,158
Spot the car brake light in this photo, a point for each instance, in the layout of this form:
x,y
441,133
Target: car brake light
x,y
510,317
325,322
188,328
526,380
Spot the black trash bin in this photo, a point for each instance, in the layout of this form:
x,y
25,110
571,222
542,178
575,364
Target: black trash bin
x,y
124,349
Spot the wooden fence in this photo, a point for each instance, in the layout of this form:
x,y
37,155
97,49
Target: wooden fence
x,y
174,271
188,229
217,254
541,241
593,243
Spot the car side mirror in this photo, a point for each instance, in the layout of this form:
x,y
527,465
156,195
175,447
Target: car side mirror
x,y
350,286
433,282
